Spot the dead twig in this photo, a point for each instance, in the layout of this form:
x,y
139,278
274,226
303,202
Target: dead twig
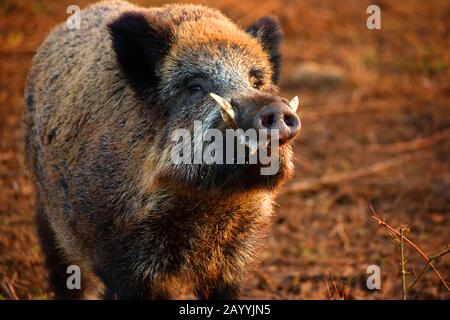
x,y
330,296
424,256
415,144
336,295
403,229
338,178
432,258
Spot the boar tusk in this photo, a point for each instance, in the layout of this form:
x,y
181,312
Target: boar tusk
x,y
293,104
226,111
228,118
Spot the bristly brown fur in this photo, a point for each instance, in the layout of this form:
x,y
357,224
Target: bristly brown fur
x,y
101,103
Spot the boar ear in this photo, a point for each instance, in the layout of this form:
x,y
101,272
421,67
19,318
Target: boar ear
x,y
268,31
140,43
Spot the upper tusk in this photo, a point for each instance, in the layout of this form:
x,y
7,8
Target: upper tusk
x,y
293,104
226,110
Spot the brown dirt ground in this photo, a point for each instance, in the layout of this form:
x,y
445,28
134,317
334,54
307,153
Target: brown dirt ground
x,y
396,90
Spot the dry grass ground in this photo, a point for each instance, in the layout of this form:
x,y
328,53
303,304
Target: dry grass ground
x,y
392,104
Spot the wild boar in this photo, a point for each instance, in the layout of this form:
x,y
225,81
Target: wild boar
x,y
101,105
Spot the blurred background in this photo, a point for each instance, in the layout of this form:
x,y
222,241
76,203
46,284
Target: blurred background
x,y
375,111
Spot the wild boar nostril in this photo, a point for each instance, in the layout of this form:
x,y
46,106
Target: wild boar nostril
x,y
268,120
290,120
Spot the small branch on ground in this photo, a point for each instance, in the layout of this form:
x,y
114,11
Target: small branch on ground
x,y
428,259
338,178
427,266
336,295
376,107
415,144
403,229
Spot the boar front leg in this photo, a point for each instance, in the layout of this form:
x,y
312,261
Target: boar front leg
x,y
138,292
55,260
123,284
219,290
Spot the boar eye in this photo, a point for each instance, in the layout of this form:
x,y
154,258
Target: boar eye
x,y
255,82
195,88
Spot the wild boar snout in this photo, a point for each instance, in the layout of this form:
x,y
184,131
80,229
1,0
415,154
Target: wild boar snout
x,y
266,112
278,116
